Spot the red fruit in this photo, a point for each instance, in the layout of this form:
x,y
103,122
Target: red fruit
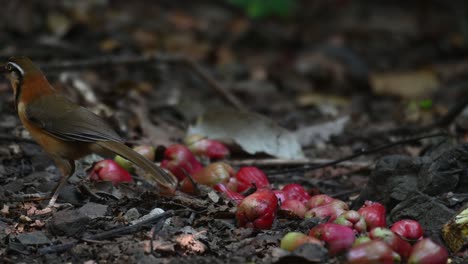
x,y
353,220
178,158
374,214
280,195
234,196
330,211
337,238
295,207
212,174
295,191
109,170
428,252
372,252
210,148
400,246
293,240
408,229
257,210
248,176
319,200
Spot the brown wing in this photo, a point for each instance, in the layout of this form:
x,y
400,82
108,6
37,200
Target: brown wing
x,y
68,121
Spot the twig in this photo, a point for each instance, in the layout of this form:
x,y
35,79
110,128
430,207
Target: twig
x,y
300,162
217,86
107,234
143,59
357,154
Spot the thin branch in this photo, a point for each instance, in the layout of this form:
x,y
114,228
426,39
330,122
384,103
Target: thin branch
x,y
300,162
143,59
107,234
357,154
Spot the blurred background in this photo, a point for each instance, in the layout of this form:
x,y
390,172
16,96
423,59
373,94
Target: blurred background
x,y
301,62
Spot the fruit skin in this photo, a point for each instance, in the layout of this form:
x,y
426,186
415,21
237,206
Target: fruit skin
x,y
146,151
400,246
408,229
372,252
295,207
280,195
232,195
232,184
374,214
257,210
428,252
337,238
295,191
178,158
330,211
248,176
353,220
109,170
212,174
319,200
293,240
361,240
210,148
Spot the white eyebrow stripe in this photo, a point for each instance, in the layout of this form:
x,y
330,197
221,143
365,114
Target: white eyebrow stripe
x,y
17,67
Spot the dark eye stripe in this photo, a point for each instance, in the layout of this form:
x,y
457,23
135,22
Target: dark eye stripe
x,y
16,67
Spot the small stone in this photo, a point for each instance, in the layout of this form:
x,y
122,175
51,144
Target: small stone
x,y
93,210
69,223
33,239
132,215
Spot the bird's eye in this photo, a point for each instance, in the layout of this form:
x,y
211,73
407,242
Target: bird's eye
x,y
9,68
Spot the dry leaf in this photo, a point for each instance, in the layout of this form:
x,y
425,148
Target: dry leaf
x,y
408,85
253,132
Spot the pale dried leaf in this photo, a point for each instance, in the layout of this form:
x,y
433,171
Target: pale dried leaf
x,y
253,132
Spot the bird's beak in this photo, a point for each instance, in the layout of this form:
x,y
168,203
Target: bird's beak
x,y
3,68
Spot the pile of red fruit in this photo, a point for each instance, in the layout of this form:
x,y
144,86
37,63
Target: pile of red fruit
x,y
362,235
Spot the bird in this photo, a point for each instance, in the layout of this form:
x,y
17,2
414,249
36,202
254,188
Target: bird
x,y
65,130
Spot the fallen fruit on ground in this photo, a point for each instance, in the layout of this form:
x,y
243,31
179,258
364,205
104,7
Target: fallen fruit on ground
x,y
249,176
295,207
257,210
408,229
400,246
427,251
180,161
295,191
374,214
328,211
109,170
293,240
372,252
319,200
210,148
353,220
337,238
232,195
212,174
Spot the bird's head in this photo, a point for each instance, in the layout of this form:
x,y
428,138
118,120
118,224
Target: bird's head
x,y
16,70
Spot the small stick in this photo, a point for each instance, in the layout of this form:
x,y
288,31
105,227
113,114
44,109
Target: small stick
x,y
107,234
300,162
357,154
157,57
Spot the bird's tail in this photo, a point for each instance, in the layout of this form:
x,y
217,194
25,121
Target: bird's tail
x,y
152,170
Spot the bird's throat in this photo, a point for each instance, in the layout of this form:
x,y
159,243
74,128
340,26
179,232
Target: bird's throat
x,y
32,88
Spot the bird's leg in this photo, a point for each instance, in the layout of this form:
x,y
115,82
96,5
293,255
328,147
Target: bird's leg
x,y
67,168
